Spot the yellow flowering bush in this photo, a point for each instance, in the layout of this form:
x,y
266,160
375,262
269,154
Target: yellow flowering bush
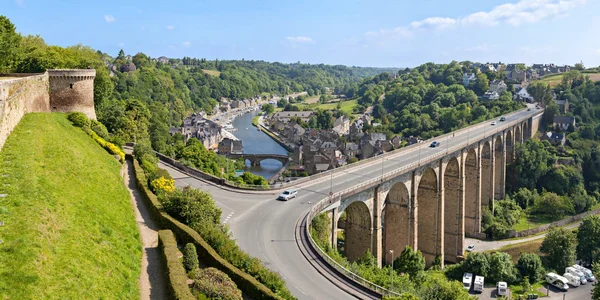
x,y
163,184
110,147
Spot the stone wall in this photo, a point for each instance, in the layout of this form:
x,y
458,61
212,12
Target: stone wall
x,y
542,228
21,95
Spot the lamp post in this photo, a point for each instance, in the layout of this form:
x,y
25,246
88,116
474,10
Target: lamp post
x,y
392,270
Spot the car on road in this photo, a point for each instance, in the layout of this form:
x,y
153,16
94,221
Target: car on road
x,y
434,144
493,123
287,195
502,119
470,248
529,109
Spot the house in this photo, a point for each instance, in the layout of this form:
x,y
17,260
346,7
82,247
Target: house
x,y
413,140
563,123
341,125
369,149
351,150
298,156
518,76
556,139
163,59
523,94
356,128
286,116
328,148
278,125
468,78
563,106
498,86
491,95
396,141
230,146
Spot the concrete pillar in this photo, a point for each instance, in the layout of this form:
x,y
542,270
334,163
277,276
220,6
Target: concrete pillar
x,y
377,248
461,208
439,237
334,223
478,185
414,213
492,193
502,186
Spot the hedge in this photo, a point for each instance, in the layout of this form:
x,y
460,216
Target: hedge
x,y
175,273
248,284
110,147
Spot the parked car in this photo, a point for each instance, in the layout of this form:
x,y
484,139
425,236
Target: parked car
x,y
467,279
434,144
287,195
478,284
470,248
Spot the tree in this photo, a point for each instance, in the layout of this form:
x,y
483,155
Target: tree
x,y
367,259
588,239
268,109
482,84
552,206
530,266
410,262
525,197
190,257
502,268
10,42
559,247
596,289
478,263
532,162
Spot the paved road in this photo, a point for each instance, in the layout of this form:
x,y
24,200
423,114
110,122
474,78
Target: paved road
x,y
265,227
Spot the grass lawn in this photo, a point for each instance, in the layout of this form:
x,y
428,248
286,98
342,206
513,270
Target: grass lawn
x,y
515,250
531,222
212,72
69,229
518,290
347,106
554,80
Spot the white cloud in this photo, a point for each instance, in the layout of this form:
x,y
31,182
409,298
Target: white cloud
x,y
170,27
524,11
121,44
186,44
300,40
109,19
20,3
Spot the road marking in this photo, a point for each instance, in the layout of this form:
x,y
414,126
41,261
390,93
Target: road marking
x,y
228,217
286,280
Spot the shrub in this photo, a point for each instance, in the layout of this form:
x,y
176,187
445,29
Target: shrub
x,y
175,273
162,184
78,119
190,257
410,262
530,266
110,147
215,285
99,129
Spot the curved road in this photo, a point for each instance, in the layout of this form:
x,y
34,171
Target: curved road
x,y
265,227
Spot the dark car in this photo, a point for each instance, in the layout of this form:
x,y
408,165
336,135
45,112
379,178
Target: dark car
x,y
502,119
434,144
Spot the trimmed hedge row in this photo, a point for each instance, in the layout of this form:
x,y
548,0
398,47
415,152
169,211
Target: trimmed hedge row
x,y
176,276
248,284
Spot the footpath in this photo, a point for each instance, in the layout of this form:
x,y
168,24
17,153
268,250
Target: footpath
x,y
152,284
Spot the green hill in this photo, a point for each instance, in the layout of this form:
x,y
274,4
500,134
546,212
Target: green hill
x,y
69,229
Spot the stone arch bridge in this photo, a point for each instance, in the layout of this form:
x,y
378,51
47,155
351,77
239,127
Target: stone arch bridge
x,y
430,205
255,159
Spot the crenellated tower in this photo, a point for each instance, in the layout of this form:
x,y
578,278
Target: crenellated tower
x,y
72,90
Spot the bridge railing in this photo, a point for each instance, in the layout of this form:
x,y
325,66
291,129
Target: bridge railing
x,y
324,203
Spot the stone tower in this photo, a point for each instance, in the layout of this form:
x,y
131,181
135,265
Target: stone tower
x,y
72,90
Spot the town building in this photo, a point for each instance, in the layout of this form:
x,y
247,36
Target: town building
x,y
286,116
563,123
230,146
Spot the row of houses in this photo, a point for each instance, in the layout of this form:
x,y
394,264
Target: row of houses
x,y
320,150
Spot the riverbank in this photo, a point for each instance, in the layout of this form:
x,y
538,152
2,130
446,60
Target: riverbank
x,y
260,125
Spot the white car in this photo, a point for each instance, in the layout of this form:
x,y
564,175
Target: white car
x,y
287,195
494,123
470,248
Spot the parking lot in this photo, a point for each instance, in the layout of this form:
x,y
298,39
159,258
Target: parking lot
x,y
582,292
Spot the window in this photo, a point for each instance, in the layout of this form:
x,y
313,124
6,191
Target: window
x,y
71,85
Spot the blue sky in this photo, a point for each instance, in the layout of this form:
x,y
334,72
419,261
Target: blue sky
x,y
383,33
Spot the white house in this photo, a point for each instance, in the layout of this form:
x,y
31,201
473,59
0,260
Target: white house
x,y
498,86
492,95
468,78
525,95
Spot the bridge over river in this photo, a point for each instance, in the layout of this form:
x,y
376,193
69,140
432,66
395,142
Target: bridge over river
x,y
429,198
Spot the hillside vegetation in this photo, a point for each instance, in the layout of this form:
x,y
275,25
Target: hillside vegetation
x,y
556,79
69,231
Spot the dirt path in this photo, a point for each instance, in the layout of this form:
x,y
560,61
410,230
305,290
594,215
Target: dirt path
x,y
152,284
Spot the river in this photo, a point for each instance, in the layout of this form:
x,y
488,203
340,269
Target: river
x,y
257,142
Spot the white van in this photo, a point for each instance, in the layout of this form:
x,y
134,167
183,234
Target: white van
x,y
557,281
588,274
578,274
478,284
467,279
573,280
501,287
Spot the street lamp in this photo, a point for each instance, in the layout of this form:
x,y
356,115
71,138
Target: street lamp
x,y
392,270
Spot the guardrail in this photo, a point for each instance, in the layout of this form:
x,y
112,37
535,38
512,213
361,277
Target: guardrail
x,y
322,204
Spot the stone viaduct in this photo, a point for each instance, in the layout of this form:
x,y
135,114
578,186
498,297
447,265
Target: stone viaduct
x,y
431,206
255,159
